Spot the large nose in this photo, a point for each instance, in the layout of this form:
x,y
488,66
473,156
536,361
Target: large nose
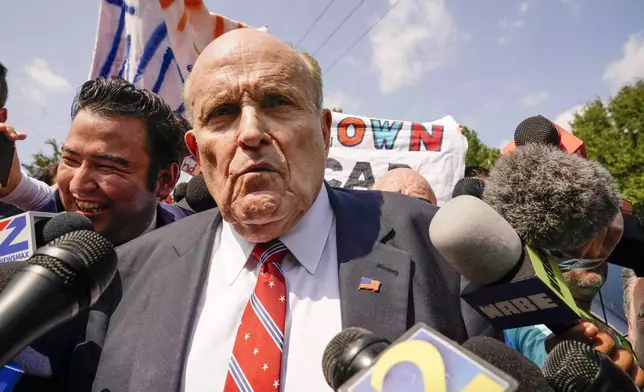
x,y
252,132
82,181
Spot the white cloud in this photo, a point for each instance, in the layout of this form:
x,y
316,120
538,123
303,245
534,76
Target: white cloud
x,y
630,67
517,23
503,41
524,7
42,83
338,99
564,119
416,37
535,99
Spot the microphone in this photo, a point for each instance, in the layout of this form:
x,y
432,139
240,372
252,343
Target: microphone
x,y
197,195
469,186
537,129
21,235
179,192
8,270
62,279
512,285
576,367
421,359
64,223
554,200
510,361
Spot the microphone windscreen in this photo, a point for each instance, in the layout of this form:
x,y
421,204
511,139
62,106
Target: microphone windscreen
x,y
553,200
469,186
65,223
536,129
510,361
93,265
197,195
8,270
475,240
180,191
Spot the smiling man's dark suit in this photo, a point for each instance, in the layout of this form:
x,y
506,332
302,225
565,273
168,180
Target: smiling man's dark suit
x,y
144,322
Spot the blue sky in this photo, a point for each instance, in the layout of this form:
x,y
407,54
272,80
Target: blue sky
x,y
490,66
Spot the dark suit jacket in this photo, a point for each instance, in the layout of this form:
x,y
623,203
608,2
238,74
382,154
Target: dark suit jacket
x,y
137,335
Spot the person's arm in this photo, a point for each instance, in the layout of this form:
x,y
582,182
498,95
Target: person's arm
x,y
32,195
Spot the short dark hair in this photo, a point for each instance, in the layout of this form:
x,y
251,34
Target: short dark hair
x,y
476,172
4,89
118,97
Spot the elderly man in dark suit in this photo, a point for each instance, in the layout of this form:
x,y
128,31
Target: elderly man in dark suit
x,y
246,296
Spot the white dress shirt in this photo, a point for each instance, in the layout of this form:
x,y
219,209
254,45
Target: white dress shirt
x,y
313,314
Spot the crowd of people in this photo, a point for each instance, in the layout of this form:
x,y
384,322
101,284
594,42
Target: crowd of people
x,y
248,295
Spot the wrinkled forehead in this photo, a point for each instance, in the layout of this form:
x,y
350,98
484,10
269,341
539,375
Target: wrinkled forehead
x,y
242,65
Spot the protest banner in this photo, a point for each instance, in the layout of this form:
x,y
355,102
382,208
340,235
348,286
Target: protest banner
x,y
365,148
154,45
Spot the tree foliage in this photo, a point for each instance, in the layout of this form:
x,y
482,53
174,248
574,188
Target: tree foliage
x,y
478,154
611,136
337,110
42,161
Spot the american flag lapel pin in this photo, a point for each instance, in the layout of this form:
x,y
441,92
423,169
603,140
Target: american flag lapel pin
x,y
369,284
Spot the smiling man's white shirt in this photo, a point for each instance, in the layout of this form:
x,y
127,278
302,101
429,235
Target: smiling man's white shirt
x,y
313,316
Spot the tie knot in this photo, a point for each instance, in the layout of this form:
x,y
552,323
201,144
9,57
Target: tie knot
x,y
270,252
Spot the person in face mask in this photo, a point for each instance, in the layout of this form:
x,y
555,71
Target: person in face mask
x,y
584,271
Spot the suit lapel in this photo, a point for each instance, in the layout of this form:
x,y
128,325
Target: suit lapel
x,y
169,317
362,233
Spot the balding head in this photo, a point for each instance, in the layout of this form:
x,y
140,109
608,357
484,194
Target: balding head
x,y
259,134
407,182
233,38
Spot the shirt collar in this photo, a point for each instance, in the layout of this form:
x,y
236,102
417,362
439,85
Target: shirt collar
x,y
306,240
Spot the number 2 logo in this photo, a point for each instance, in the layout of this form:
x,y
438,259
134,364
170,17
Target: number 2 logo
x,y
6,246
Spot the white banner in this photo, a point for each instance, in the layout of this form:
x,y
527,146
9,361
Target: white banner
x,y
365,148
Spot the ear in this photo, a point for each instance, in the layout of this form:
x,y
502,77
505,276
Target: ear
x,y
326,118
3,115
191,142
166,180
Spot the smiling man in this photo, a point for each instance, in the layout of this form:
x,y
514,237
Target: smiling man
x,y
122,155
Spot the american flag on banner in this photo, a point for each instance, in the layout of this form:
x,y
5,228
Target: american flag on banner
x,y
154,44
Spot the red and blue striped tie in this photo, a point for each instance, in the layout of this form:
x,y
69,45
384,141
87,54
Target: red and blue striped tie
x,y
257,355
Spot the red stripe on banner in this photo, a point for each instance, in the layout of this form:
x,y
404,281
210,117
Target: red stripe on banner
x,y
182,22
219,26
165,4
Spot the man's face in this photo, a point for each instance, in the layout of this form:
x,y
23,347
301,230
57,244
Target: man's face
x,y
636,319
259,138
3,115
103,175
584,284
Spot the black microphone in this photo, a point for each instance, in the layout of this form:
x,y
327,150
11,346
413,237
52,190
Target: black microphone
x,y
576,367
61,279
537,129
469,186
358,360
8,270
179,192
510,361
64,223
197,195
349,352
